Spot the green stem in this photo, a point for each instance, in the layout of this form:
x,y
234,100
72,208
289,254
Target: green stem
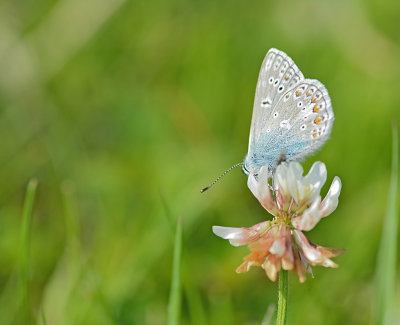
x,y
282,297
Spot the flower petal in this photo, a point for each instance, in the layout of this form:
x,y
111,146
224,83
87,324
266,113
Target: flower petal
x,y
294,175
236,236
331,200
281,185
272,266
241,236
308,251
316,176
278,247
311,254
305,189
288,257
253,259
310,216
330,252
299,268
260,189
263,244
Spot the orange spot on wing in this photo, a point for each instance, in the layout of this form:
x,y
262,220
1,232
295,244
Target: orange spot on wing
x,y
317,120
314,100
298,93
315,109
315,134
308,94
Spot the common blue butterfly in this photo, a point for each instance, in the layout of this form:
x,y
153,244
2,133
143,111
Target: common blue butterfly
x,y
292,116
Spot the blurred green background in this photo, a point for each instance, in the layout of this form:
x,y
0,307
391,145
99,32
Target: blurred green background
x,y
124,110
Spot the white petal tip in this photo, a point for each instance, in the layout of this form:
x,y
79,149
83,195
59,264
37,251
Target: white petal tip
x,y
227,232
336,186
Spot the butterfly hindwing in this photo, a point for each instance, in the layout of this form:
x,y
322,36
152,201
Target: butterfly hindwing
x,y
303,117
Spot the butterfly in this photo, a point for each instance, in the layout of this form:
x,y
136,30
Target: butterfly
x,y
292,116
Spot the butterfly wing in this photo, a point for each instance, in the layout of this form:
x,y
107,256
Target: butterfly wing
x,y
292,116
278,72
302,118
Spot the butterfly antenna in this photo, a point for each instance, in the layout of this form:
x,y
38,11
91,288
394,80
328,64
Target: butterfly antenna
x,y
219,177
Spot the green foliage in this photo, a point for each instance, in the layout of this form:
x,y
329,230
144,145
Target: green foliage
x,y
175,295
25,250
110,103
385,299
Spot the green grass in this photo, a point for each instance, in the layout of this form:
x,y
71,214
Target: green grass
x,y
175,296
269,315
385,299
25,269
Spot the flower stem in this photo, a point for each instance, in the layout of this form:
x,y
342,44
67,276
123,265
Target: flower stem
x,y
282,297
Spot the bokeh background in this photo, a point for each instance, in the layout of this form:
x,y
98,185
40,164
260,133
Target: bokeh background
x,y
124,110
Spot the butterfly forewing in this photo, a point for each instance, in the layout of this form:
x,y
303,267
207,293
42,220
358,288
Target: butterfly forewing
x,y
278,73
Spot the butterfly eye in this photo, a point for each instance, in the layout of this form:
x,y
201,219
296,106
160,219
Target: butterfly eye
x,y
300,104
268,130
275,114
276,82
271,80
303,127
280,89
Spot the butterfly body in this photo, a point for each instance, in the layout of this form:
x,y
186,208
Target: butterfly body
x,y
292,116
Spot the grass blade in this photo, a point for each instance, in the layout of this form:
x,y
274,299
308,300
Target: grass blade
x,y
268,317
386,268
25,249
175,296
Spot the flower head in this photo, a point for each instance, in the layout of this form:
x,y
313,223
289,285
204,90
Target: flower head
x,y
295,202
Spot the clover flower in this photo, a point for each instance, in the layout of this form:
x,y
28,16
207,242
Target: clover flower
x,y
295,202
